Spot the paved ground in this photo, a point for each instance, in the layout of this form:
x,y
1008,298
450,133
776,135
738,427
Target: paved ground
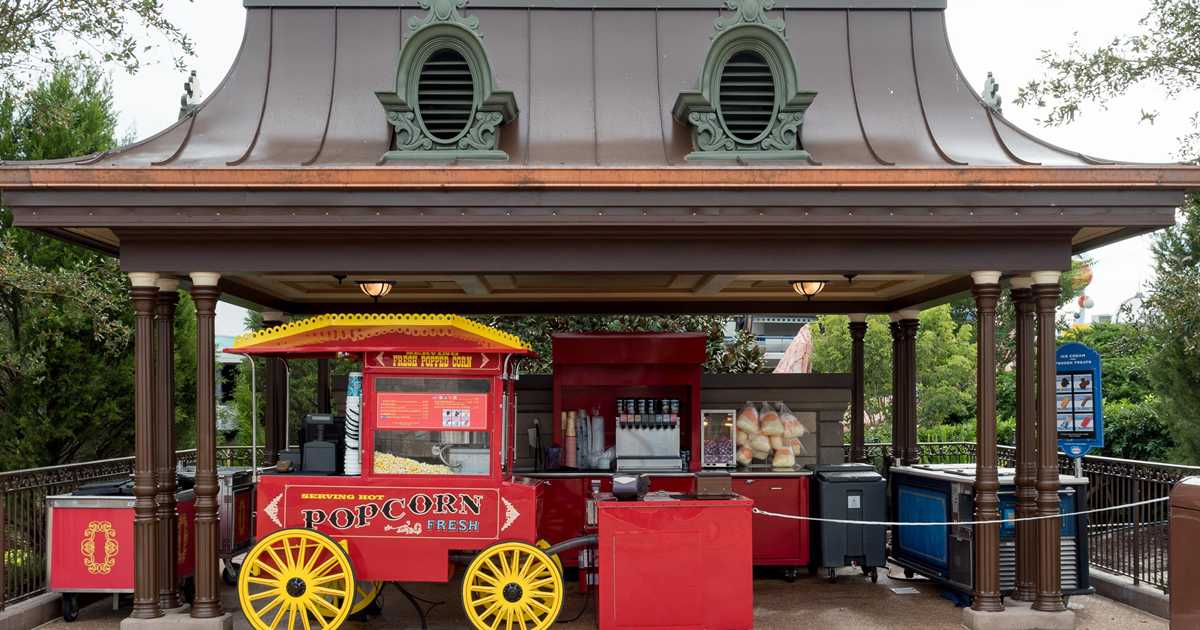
x,y
852,603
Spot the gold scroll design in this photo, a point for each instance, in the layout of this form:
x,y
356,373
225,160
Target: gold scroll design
x,y
108,549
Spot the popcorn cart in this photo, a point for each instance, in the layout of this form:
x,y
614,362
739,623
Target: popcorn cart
x,y
90,542
435,488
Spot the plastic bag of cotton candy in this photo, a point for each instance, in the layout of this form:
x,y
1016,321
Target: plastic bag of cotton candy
x,y
770,433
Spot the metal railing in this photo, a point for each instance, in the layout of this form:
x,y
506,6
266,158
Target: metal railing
x,y
23,512
1133,542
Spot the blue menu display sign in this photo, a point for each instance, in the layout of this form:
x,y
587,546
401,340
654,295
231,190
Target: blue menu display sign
x,y
1077,401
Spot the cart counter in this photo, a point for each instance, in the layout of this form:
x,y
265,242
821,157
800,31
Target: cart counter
x,y
694,552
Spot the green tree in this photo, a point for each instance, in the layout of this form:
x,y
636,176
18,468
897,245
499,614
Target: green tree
x,y
831,355
1163,53
1172,316
945,364
66,370
62,310
112,31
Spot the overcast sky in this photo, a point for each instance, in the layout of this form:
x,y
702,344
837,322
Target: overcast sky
x,y
1005,38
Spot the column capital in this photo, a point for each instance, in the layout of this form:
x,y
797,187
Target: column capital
x,y
167,284
908,313
985,277
1018,283
205,278
1045,277
857,318
143,278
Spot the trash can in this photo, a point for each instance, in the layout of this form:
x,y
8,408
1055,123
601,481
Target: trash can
x,y
853,492
1184,562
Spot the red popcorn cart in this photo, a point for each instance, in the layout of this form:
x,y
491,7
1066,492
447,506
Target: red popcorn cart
x,y
432,449
90,542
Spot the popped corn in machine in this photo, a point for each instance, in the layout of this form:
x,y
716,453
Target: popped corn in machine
x,y
435,485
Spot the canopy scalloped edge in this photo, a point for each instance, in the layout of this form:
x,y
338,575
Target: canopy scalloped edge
x,y
252,339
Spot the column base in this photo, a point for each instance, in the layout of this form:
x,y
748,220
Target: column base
x,y
179,621
1018,616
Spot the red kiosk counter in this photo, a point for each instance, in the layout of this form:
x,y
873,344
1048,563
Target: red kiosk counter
x,y
90,542
436,488
641,397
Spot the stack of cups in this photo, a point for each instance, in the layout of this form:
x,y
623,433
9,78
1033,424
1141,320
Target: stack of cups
x,y
353,465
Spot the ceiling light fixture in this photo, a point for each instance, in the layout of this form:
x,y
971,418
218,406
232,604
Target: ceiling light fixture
x,y
808,288
376,288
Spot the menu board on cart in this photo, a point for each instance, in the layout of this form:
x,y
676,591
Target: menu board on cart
x,y
431,411
1077,400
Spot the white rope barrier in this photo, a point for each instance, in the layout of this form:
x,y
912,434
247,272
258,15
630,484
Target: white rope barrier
x,y
796,517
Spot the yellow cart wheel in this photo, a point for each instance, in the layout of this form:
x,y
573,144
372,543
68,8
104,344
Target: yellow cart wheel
x,y
544,544
296,578
365,592
512,585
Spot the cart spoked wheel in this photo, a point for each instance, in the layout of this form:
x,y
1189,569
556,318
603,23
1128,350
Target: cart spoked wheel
x,y
544,544
366,593
296,578
512,585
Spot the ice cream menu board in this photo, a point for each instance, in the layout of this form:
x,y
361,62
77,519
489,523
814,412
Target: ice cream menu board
x,y
431,411
1077,399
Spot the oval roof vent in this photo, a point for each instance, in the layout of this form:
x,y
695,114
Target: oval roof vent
x,y
747,96
446,95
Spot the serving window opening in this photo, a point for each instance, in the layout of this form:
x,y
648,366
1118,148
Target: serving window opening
x,y
432,426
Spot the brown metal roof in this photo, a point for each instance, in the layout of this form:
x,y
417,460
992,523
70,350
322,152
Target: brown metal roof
x,y
594,86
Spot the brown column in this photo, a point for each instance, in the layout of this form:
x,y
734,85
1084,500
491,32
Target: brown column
x,y
164,437
274,395
858,330
908,328
1046,291
1027,421
207,602
899,447
323,394
145,582
986,597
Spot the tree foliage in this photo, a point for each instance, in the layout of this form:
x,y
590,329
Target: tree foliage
x,y
66,369
945,364
1172,318
1164,53
34,34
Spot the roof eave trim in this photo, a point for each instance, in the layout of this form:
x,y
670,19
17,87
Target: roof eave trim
x,y
13,177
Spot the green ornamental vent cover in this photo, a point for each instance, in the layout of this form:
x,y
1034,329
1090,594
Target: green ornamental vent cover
x,y
445,105
748,105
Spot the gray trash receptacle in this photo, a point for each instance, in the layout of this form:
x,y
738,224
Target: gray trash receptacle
x,y
853,492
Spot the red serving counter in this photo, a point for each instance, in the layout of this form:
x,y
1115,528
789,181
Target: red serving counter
x,y
695,553
594,372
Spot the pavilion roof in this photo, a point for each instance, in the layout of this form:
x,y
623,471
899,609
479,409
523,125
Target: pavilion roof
x,y
594,83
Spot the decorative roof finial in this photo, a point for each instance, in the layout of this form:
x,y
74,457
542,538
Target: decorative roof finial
x,y
444,11
749,12
991,94
192,95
